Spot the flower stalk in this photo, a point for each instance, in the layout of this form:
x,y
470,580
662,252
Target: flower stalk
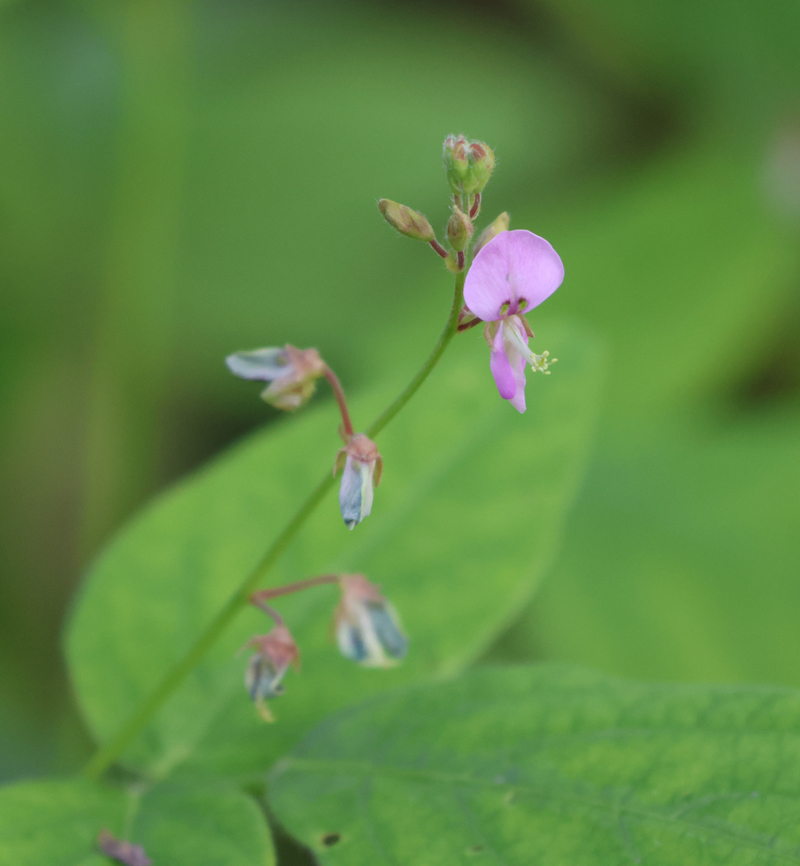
x,y
108,753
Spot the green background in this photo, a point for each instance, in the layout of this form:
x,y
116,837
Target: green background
x,y
182,180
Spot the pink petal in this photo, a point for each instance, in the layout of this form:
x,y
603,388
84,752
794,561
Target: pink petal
x,y
518,365
501,368
513,266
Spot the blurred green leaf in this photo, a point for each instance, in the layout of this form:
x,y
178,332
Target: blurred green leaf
x,y
466,520
719,54
683,272
550,765
55,823
681,559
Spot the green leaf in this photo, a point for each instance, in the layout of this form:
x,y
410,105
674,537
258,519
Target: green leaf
x,y
56,823
681,270
681,559
466,520
550,765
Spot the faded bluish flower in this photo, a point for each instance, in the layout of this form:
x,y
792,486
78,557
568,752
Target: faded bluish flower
x,y
367,627
362,467
515,272
123,852
291,372
266,668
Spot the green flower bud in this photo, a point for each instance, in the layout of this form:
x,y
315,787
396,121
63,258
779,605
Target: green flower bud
x,y
459,230
492,231
456,161
407,221
481,163
469,164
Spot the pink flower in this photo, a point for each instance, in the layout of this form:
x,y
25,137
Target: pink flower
x,y
515,272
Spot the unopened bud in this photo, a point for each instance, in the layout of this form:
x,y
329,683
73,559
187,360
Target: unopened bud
x,y
469,164
500,224
459,230
482,165
456,161
407,221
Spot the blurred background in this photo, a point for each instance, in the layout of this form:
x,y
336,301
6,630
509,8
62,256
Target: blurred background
x,y
179,180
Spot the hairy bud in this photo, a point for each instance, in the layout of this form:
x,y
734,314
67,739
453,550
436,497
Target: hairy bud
x,y
407,221
500,224
459,230
469,164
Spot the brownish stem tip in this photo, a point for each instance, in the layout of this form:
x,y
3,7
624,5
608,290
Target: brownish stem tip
x,y
476,206
438,248
260,597
338,392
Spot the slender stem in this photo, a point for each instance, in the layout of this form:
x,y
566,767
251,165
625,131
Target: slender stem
x,y
338,392
108,753
475,209
470,324
433,359
299,586
269,611
438,248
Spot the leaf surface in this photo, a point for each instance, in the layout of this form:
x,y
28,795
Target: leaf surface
x,y
550,765
466,520
56,823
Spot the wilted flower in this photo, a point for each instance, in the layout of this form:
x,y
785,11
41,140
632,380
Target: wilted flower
x,y
515,272
266,668
123,852
367,627
292,373
363,465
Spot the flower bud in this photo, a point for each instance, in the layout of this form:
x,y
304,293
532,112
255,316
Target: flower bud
x,y
363,465
367,627
266,668
292,373
456,161
459,230
469,164
407,221
481,158
492,231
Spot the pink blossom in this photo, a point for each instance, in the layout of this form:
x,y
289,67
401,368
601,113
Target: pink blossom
x,y
515,272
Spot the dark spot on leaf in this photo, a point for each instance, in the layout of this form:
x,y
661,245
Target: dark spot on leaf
x,y
331,839
476,849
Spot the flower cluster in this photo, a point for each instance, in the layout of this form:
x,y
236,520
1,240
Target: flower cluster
x,y
511,273
368,632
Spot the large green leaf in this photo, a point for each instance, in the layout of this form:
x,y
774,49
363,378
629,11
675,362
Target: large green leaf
x,y
465,522
681,559
55,823
681,269
554,766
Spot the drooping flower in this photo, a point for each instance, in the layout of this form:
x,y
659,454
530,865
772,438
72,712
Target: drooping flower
x,y
363,466
367,627
292,373
266,668
123,852
513,273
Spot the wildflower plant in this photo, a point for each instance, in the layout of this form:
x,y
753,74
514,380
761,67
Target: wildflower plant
x,y
519,763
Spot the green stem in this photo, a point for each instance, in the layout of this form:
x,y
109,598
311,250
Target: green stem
x,y
108,753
